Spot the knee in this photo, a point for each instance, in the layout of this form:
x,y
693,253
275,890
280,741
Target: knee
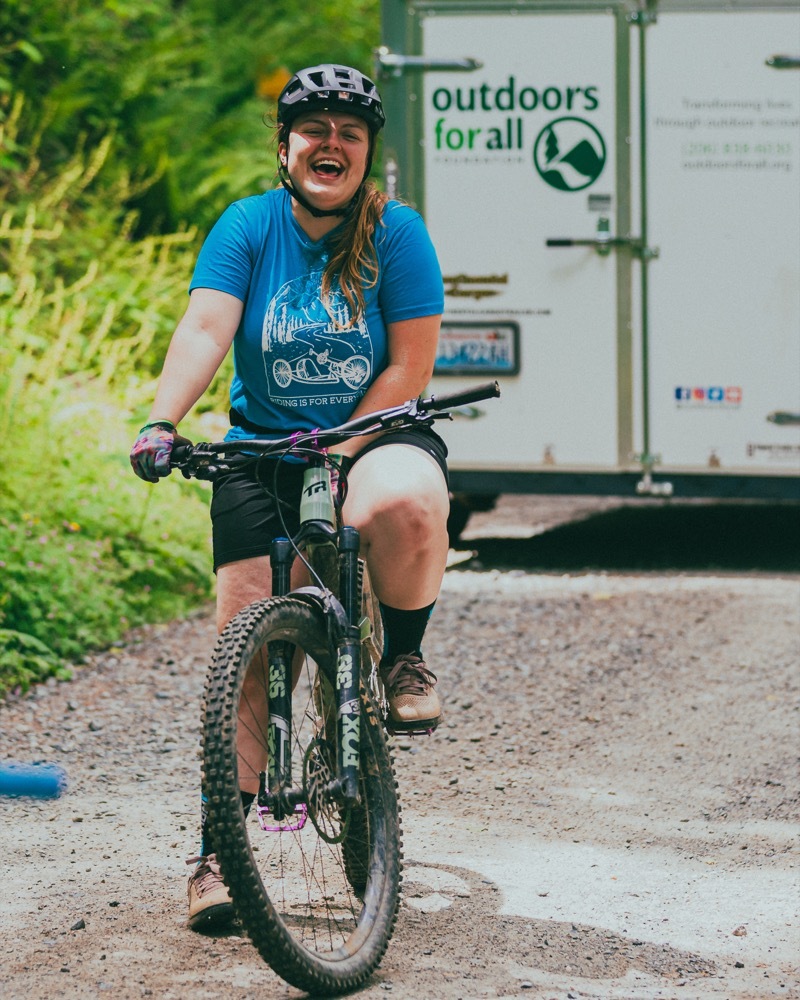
x,y
398,500
415,520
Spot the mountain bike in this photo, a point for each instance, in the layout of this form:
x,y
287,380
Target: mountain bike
x,y
293,700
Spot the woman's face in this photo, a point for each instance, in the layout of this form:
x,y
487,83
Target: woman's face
x,y
327,157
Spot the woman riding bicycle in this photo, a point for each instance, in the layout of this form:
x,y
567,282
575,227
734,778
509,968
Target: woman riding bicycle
x,y
325,250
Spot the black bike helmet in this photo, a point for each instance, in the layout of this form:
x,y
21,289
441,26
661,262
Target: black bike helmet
x,y
331,87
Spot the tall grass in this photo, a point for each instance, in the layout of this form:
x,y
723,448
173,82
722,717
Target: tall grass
x,y
86,549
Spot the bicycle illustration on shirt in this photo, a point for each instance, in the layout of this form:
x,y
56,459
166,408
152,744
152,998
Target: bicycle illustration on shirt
x,y
321,367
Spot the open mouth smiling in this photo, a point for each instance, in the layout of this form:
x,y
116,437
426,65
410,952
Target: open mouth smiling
x,y
327,168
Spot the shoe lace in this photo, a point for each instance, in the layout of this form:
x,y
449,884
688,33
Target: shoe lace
x,y
409,675
207,875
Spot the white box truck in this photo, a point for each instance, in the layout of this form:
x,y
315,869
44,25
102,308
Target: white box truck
x,y
613,189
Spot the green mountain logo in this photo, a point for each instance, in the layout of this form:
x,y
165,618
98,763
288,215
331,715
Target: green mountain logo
x,y
569,154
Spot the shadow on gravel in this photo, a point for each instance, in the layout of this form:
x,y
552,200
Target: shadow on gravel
x,y
724,537
468,942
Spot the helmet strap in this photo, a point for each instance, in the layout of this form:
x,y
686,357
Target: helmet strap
x,y
318,213
323,213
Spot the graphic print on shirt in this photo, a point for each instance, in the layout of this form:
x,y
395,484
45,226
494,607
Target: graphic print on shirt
x,y
311,355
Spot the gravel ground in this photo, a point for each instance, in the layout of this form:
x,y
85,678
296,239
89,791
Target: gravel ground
x,y
608,811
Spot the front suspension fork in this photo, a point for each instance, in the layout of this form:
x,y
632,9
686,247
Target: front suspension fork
x,y
278,777
276,784
348,667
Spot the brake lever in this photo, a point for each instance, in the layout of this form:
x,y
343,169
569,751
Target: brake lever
x,y
195,461
401,415
204,472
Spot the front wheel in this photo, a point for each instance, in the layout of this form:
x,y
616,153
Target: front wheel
x,y
318,890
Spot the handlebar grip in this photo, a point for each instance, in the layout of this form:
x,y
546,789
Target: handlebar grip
x,y
559,243
180,453
487,390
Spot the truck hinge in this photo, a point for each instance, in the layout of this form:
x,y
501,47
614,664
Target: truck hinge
x,y
647,253
645,15
647,486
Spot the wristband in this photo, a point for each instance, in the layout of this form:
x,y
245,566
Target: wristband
x,y
166,424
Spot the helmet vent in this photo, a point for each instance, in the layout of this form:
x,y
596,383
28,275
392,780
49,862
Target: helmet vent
x,y
325,87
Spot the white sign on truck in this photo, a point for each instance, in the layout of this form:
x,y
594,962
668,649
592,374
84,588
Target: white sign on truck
x,y
613,189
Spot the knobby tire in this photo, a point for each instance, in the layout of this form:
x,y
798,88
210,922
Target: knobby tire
x,y
321,913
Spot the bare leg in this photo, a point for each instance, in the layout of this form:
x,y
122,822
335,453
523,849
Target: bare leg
x,y
239,584
398,501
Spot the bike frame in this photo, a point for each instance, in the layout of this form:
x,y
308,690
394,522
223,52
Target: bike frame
x,y
320,540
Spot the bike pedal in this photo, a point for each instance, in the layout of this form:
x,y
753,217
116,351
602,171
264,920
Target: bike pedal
x,y
395,731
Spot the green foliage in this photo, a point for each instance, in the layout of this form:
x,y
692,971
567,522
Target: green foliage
x,y
79,297
25,661
178,84
86,549
126,126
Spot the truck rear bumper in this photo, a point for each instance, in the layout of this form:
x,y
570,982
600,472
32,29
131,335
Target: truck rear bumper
x,y
719,485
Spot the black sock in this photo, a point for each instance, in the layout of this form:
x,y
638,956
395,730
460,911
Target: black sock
x,y
403,630
206,846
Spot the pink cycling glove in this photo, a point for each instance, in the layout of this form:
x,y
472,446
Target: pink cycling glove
x,y
152,449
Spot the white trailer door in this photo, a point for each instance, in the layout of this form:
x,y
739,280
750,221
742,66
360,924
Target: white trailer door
x,y
723,170
520,150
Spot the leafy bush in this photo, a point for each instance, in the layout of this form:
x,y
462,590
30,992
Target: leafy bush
x,y
25,661
86,549
126,126
183,88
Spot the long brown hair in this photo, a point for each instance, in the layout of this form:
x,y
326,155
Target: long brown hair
x,y
353,255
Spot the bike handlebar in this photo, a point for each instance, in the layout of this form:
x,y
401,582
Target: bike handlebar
x,y
449,400
195,459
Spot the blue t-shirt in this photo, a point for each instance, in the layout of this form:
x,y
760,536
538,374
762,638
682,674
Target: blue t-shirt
x,y
298,363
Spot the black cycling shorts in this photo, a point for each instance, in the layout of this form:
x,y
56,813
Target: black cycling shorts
x,y
245,517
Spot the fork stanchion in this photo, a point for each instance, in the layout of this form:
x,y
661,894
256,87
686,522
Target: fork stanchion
x,y
349,596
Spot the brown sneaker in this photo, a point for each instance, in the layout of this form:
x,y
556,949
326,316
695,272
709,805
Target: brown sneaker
x,y
209,899
413,704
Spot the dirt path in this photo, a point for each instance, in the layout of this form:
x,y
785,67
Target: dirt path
x,y
609,811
